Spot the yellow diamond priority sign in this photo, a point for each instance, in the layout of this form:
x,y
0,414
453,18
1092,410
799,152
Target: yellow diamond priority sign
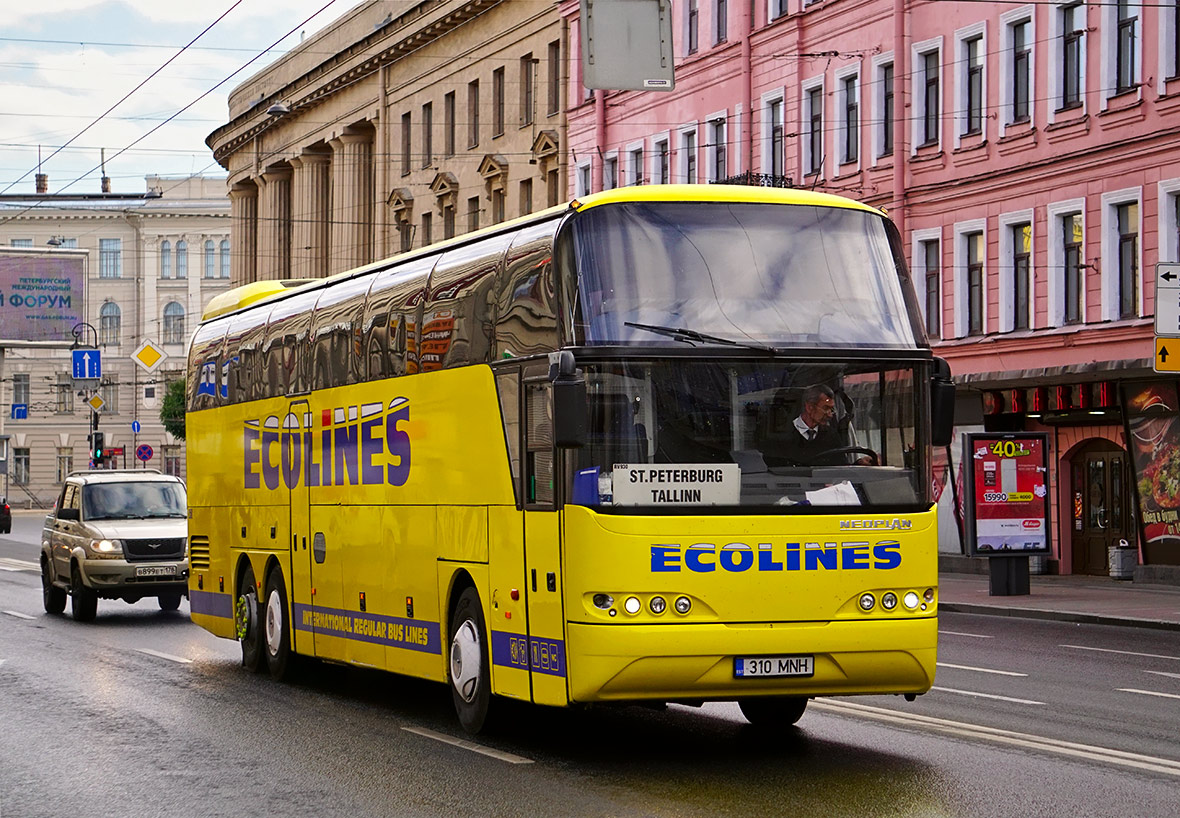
x,y
96,403
148,356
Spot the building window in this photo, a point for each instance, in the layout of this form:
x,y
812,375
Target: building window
x,y
210,259
473,113
110,258
778,8
449,124
427,227
610,173
428,134
172,459
973,56
583,180
1021,274
814,120
20,466
930,98
20,243
498,206
182,259
110,324
721,18
717,150
1126,49
1127,217
165,259
1021,69
527,90
407,141
224,249
448,221
932,269
65,464
108,390
662,177
20,388
689,146
405,234
850,144
975,255
1071,245
498,102
635,171
173,323
1073,26
526,196
554,85
777,162
553,186
886,80
472,214
694,22
64,394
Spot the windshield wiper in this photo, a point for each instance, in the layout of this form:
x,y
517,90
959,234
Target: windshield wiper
x,y
690,335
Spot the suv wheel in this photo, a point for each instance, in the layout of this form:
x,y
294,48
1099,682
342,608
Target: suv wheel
x,y
52,597
83,600
170,602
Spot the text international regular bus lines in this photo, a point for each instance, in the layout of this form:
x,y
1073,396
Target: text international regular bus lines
x,y
559,460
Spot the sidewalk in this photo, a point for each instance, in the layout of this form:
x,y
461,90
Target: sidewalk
x,y
1068,599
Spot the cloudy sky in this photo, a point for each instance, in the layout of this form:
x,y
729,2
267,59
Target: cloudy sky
x,y
64,63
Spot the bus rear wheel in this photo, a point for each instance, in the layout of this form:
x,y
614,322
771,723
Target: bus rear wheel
x,y
247,624
468,665
275,626
773,711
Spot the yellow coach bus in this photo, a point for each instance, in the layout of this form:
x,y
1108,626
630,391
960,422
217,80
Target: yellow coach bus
x,y
662,444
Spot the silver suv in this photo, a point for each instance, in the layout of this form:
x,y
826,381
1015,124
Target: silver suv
x,y
118,534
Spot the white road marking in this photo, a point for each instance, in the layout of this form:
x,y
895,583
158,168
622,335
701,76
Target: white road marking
x,y
469,745
1122,652
1164,673
1148,692
972,635
1009,737
985,695
981,669
9,564
19,615
168,656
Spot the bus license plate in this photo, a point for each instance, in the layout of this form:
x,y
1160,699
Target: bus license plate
x,y
745,667
155,571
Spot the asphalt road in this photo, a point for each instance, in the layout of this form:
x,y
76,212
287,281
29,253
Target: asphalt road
x,y
143,713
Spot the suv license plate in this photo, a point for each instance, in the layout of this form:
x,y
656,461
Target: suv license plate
x,y
745,667
155,570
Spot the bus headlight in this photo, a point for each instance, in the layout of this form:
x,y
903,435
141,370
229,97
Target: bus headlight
x,y
657,605
910,600
889,601
867,602
632,605
682,605
603,601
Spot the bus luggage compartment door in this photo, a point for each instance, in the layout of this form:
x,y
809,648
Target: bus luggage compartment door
x,y
547,658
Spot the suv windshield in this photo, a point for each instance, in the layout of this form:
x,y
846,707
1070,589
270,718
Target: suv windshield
x,y
133,501
676,433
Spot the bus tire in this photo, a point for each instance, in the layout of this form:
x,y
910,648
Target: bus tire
x,y
773,711
248,622
467,665
276,626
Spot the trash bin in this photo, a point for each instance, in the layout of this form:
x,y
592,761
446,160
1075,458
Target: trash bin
x,y
1122,559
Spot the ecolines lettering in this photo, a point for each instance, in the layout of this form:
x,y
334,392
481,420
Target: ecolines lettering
x,y
346,454
737,557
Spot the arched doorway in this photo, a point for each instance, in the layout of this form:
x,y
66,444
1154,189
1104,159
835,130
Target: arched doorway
x,y
1100,512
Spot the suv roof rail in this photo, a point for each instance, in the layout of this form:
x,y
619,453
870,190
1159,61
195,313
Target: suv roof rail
x,y
116,471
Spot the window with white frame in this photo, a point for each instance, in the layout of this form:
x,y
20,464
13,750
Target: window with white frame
x,y
165,259
1169,47
634,169
20,388
1067,69
210,259
110,324
65,394
927,256
20,243
970,276
692,26
883,103
610,171
65,463
776,9
1015,271
223,250
110,258
927,93
1168,212
1016,78
970,79
1120,46
182,259
813,127
582,179
688,155
660,158
173,323
848,111
720,20
20,466
108,390
1065,222
1121,286
773,135
717,149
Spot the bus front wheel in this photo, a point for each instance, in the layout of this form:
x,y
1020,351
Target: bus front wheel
x,y
773,711
246,621
275,627
468,666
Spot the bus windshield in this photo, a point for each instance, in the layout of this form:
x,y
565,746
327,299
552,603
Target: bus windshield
x,y
681,433
766,274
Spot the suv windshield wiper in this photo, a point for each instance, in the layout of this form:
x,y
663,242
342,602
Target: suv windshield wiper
x,y
690,335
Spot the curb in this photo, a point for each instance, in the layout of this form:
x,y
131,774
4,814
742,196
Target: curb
x,y
1059,616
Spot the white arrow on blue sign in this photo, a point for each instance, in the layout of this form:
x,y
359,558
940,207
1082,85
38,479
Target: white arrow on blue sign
x,y
135,426
87,363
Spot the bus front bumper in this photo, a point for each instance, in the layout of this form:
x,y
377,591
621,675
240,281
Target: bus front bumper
x,y
695,662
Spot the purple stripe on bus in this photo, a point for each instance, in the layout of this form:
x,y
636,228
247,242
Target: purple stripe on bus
x,y
211,604
411,634
525,653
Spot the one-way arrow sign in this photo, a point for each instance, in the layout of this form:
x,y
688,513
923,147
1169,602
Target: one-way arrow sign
x,y
1167,355
87,364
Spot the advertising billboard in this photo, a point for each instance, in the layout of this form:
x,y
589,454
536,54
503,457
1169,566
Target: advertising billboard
x,y
41,294
1152,409
1006,494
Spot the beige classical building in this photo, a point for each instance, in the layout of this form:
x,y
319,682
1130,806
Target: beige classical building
x,y
398,125
153,260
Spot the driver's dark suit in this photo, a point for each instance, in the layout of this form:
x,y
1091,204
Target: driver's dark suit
x,y
806,451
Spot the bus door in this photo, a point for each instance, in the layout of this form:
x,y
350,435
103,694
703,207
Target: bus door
x,y
542,547
298,420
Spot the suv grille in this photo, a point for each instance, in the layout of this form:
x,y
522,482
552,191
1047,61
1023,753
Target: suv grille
x,y
198,552
157,548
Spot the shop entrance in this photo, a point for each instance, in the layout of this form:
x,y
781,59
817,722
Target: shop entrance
x,y
1100,499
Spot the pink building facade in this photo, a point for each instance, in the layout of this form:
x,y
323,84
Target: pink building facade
x,y
1029,155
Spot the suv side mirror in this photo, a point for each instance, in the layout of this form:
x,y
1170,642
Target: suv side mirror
x,y
68,514
942,404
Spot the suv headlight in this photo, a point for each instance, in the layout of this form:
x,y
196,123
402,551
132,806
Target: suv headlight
x,y
106,548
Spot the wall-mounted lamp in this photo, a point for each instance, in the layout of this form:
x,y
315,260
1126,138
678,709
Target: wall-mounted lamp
x,y
55,241
278,109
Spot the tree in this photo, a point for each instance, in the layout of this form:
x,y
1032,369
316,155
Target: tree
x,y
172,410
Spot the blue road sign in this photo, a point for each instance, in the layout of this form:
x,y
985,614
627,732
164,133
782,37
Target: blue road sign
x,y
87,363
20,411
144,452
135,426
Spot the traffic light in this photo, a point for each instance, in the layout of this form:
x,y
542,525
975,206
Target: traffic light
x,y
97,446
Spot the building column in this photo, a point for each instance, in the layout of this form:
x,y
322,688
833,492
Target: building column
x,y
274,224
310,215
243,260
352,201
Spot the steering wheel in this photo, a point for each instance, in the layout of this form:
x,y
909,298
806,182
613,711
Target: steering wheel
x,y
821,457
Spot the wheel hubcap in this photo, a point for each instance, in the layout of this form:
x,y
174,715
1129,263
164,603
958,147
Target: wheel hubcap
x,y
465,661
244,615
274,623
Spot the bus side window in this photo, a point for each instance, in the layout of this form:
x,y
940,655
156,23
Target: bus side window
x,y
508,389
539,488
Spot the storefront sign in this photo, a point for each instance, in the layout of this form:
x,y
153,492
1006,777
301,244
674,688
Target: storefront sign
x,y
1007,508
1154,437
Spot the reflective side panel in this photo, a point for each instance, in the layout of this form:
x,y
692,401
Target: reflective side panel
x,y
526,298
204,366
336,334
390,324
285,362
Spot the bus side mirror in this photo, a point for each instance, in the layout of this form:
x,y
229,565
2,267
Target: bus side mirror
x,y
569,401
942,404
